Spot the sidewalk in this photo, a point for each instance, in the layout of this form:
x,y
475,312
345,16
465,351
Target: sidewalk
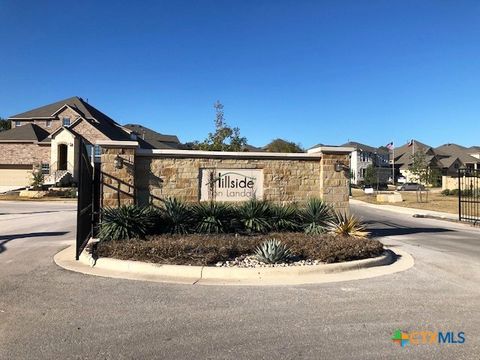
x,y
409,211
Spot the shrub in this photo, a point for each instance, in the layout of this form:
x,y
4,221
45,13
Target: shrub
x,y
177,216
125,222
348,225
454,192
446,192
253,216
272,252
316,216
212,217
37,180
284,217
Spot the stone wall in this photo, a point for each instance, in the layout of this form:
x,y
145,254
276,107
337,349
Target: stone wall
x,y
334,185
118,185
24,153
148,177
284,180
449,182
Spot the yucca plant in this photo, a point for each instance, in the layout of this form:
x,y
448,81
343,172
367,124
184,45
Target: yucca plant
x,y
347,225
125,222
284,217
272,252
254,216
177,216
316,216
37,180
212,217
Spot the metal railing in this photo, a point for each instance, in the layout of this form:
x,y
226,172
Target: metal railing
x,y
469,195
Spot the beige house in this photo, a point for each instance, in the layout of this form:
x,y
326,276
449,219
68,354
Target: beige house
x,y
446,159
48,138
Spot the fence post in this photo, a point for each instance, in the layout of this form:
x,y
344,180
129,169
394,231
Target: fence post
x,y
459,196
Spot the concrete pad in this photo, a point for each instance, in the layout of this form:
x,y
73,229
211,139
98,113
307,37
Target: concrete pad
x,y
31,194
390,198
406,210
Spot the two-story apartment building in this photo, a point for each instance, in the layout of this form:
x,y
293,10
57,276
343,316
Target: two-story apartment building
x,y
364,156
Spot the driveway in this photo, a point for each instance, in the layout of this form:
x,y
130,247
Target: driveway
x,y
49,313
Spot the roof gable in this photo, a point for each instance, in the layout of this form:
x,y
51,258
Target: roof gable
x,y
103,123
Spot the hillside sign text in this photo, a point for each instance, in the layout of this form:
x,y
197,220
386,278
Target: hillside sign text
x,y
231,184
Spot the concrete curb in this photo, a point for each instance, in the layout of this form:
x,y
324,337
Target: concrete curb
x,y
388,263
408,211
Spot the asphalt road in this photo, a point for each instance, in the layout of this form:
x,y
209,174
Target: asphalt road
x,y
49,313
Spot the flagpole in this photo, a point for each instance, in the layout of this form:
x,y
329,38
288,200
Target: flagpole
x,y
393,164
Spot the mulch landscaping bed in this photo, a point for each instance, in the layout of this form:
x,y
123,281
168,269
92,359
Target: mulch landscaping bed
x,y
196,249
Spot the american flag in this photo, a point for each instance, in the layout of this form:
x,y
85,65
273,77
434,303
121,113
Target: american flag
x,y
390,146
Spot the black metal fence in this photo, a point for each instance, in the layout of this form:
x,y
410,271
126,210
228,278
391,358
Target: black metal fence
x,y
88,199
469,195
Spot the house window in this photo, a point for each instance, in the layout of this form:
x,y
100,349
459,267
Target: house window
x,y
48,123
98,151
66,121
45,168
18,123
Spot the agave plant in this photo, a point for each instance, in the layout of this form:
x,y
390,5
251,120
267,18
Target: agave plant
x,y
125,222
177,216
284,217
348,225
254,216
316,216
212,217
272,252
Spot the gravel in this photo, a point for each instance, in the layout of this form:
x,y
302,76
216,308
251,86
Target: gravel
x,y
250,261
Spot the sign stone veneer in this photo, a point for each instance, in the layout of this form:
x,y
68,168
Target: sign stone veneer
x,y
147,176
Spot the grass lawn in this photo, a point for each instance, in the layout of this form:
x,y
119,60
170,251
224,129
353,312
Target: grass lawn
x,y
436,201
16,197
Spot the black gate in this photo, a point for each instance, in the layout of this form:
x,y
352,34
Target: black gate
x,y
88,198
469,195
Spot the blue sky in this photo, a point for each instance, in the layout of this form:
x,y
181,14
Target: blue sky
x,y
307,71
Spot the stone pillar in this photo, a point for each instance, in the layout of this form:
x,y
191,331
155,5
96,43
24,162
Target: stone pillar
x,y
334,184
118,173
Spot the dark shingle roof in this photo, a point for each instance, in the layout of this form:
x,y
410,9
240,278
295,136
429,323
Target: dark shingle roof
x,y
403,153
46,111
148,134
320,145
359,146
27,132
102,122
457,151
149,138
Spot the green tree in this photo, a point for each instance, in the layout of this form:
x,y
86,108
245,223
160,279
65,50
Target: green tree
x,y
422,170
280,145
5,124
419,167
370,177
225,138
